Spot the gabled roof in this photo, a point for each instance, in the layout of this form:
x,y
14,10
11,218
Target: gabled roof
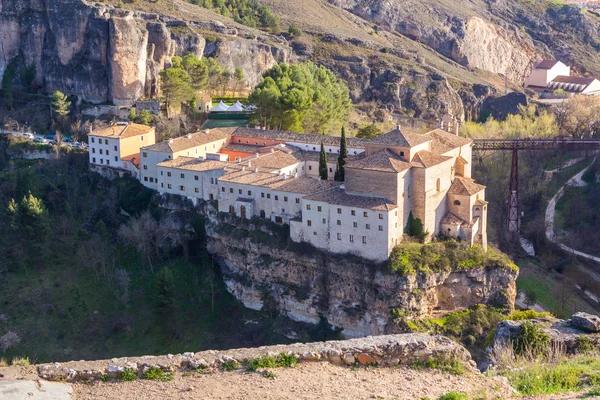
x,y
122,131
465,187
193,164
546,64
571,83
190,141
308,138
221,107
383,160
442,141
401,139
451,219
429,159
339,197
275,160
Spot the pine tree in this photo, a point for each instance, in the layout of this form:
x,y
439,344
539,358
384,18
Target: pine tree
x,y
323,163
165,284
340,174
60,105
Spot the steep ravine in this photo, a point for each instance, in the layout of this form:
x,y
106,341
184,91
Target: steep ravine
x,y
349,292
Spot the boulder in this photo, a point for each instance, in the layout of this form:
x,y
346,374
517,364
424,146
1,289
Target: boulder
x,y
586,322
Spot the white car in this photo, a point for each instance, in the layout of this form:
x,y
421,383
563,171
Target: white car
x,y
28,136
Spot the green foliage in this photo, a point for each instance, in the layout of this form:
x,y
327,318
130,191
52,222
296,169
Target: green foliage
x,y
157,374
414,227
60,105
453,396
230,365
176,87
560,93
247,12
20,361
294,31
127,375
368,132
302,98
340,175
165,298
7,82
144,118
269,374
323,170
529,123
281,361
584,345
132,114
531,340
445,364
27,75
519,315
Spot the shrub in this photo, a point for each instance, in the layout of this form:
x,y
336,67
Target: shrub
x,y
531,340
3,362
584,344
157,374
127,375
519,315
281,361
269,374
445,364
453,396
231,365
20,361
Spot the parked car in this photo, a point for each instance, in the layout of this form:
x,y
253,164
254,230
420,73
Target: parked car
x,y
27,136
50,136
40,140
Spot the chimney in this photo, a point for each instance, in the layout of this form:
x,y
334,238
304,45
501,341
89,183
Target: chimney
x,y
398,127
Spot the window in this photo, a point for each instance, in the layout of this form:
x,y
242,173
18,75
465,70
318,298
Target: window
x,y
161,173
319,208
196,177
339,210
308,207
283,210
145,179
380,216
162,185
168,174
310,167
339,221
364,240
262,214
93,141
401,154
169,186
249,193
146,167
142,138
355,224
94,150
365,214
324,221
222,189
182,176
144,154
182,188
101,161
351,238
239,191
230,190
352,212
309,223
262,195
116,158
152,180
278,220
381,227
197,190
115,148
107,153
315,233
330,169
100,151
105,141
232,209
368,226
297,201
212,181
457,202
276,197
268,195
211,197
339,236
476,208
437,184
107,162
285,198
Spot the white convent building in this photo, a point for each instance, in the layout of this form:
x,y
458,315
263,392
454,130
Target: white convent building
x,y
275,175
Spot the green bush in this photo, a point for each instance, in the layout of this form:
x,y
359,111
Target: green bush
x,y
584,344
531,340
453,396
157,374
451,365
520,315
231,365
128,375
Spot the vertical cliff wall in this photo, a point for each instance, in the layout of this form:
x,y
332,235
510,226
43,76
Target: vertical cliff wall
x,y
109,55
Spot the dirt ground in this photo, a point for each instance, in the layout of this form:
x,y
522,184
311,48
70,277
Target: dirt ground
x,y
322,381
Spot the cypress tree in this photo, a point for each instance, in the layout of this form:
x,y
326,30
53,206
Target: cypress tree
x,y
340,173
323,163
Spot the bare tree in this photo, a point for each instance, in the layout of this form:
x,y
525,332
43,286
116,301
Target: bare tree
x,y
140,233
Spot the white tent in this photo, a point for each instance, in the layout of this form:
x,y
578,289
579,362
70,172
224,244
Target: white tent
x,y
237,107
221,107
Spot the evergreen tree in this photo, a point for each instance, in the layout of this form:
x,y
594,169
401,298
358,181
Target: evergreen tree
x,y
132,114
323,163
340,174
7,82
60,105
165,284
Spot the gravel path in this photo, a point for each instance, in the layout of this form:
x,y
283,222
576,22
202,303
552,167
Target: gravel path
x,y
321,380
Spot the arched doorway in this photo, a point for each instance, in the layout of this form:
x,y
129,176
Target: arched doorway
x,y
243,211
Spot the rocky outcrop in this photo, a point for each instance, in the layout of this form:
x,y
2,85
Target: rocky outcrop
x,y
110,55
386,351
351,293
586,322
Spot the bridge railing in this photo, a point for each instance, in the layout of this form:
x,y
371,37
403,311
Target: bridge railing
x,y
537,144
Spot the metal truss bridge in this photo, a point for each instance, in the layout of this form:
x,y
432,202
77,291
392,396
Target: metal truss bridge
x,y
514,145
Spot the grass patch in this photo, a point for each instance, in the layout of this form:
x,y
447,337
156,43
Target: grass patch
x,y
281,361
127,375
453,396
269,374
229,366
20,361
157,374
451,365
520,315
410,258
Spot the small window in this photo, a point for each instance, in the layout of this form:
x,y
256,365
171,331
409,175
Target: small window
x,y
308,207
380,216
94,159
268,195
145,167
168,174
93,141
310,167
476,208
339,222
182,188
196,177
355,224
239,191
101,161
297,201
285,198
457,202
324,220
107,162
232,209
438,184
262,214
101,151
309,223
276,197
319,208
211,197
262,195
352,212
249,193
105,141
144,154
161,173
365,214
230,190
197,190
223,189
116,158
339,236
351,238
169,186
107,153
330,169
315,233
142,138
401,154
94,150
364,240
339,210
162,185
381,227
145,179
182,176
212,181
115,148
368,226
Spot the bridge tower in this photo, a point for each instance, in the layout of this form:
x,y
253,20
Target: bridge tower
x,y
512,203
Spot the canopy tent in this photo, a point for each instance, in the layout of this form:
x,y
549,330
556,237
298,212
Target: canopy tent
x,y
237,107
221,107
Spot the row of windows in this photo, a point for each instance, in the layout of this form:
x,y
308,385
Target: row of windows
x,y
102,161
339,222
107,153
262,195
350,237
339,211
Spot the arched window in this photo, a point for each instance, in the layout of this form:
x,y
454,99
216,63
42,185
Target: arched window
x,y
232,209
262,214
456,202
243,211
437,185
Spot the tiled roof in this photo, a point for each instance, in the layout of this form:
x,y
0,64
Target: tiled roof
x,y
122,131
338,196
193,164
399,138
276,160
244,148
383,160
546,64
465,187
300,185
192,140
451,219
429,159
309,138
442,141
571,83
331,157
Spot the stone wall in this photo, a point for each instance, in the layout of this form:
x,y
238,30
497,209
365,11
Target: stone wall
x,y
390,350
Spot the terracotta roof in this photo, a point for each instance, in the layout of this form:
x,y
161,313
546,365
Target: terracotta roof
x,y
244,148
308,138
122,131
451,219
481,202
399,138
275,160
338,196
193,164
300,185
442,141
383,160
465,187
546,64
429,159
331,157
192,140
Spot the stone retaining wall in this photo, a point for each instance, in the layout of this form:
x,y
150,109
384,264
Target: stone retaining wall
x,y
387,350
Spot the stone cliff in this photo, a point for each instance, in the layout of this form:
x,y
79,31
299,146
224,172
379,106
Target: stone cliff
x,y
103,54
264,271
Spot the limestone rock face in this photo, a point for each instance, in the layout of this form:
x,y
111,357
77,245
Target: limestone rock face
x,y
102,54
352,294
586,322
